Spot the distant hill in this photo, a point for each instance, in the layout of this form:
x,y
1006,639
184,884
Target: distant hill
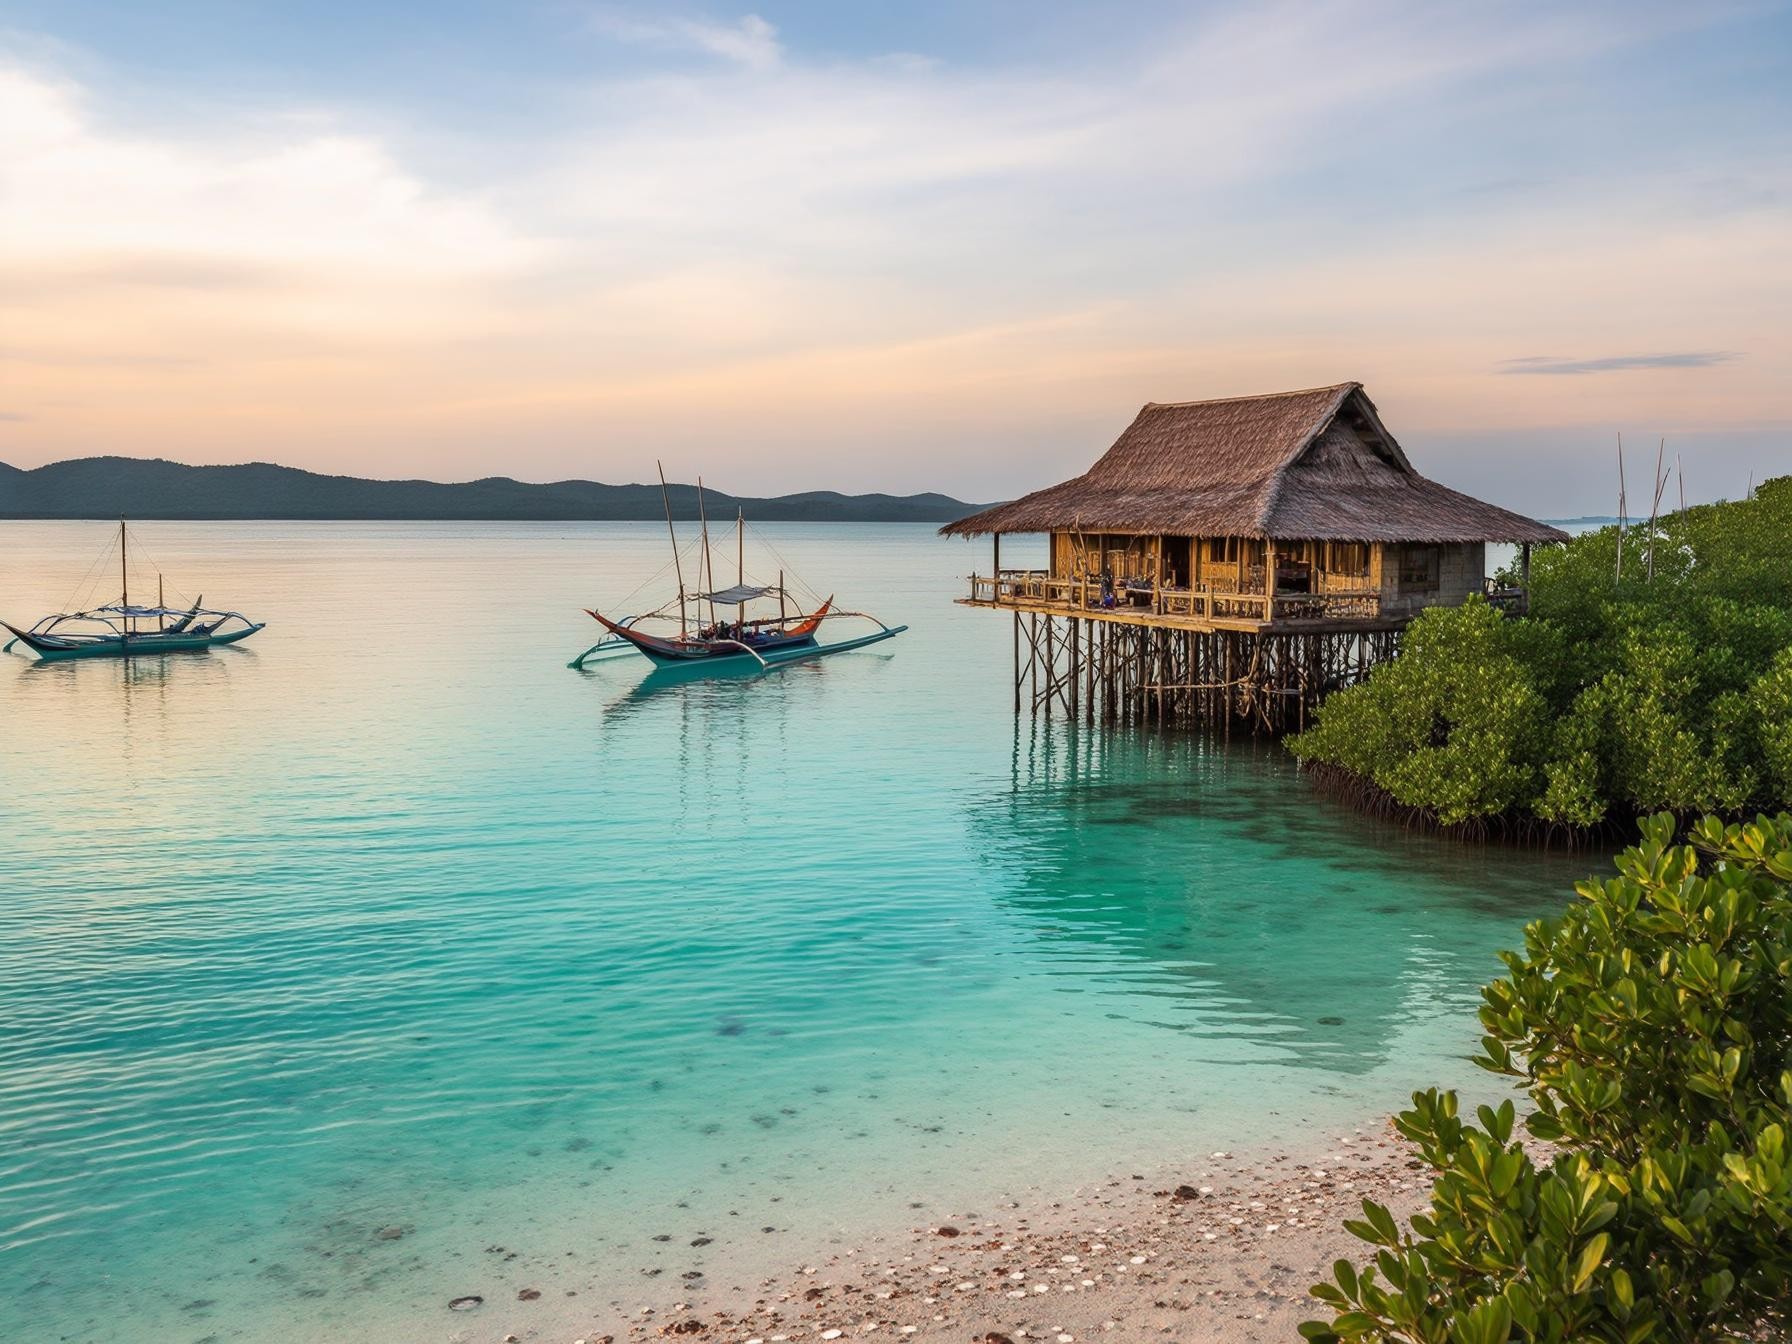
x,y
113,487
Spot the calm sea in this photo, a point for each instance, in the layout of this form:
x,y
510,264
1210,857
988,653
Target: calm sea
x,y
388,920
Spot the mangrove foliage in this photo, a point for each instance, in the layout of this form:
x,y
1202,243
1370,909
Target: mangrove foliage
x,y
1661,683
1651,1025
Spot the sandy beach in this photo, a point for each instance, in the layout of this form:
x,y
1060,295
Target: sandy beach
x,y
1222,1246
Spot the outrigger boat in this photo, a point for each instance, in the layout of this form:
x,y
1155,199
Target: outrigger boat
x,y
769,641
121,630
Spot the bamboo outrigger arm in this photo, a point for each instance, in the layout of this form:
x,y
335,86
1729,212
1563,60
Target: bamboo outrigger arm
x,y
608,644
745,648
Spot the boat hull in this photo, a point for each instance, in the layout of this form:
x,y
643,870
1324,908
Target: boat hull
x,y
677,655
134,646
685,652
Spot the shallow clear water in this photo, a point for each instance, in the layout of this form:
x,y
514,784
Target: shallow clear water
x,y
388,919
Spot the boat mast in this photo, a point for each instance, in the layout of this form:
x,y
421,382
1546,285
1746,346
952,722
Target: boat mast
x,y
161,605
709,564
677,566
124,578
740,560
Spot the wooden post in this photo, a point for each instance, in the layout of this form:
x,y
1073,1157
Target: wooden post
x,y
996,560
1269,579
1033,660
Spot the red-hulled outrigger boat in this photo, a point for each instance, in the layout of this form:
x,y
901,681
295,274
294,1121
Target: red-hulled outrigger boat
x,y
770,641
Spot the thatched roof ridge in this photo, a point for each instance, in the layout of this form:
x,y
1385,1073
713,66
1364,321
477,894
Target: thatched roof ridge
x,y
1317,464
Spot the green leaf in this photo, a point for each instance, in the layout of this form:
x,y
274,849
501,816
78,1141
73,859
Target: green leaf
x,y
1622,1291
1592,1255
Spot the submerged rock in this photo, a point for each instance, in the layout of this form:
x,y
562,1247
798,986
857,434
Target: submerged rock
x,y
466,1303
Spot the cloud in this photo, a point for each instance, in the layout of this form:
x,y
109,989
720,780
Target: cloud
x,y
1687,359
749,41
13,417
880,271
206,209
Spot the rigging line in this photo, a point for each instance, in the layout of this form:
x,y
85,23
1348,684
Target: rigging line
x,y
156,568
74,601
652,578
658,574
790,571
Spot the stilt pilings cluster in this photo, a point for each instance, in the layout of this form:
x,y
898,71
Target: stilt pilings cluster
x,y
1127,672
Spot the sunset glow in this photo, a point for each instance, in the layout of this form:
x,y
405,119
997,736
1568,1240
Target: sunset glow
x,y
796,250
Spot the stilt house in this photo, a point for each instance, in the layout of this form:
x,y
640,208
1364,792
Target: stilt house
x,y
1296,507
1260,547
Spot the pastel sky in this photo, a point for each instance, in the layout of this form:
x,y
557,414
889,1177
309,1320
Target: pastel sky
x,y
931,245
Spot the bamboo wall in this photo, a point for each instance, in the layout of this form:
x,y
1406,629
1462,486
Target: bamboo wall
x,y
1236,565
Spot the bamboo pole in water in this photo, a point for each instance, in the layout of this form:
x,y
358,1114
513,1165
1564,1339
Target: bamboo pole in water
x,y
1621,510
1661,482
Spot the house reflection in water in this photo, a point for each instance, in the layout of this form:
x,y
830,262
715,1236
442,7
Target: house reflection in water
x,y
1204,889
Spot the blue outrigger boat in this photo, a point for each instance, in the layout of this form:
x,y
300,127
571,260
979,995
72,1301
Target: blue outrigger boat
x,y
769,641
120,630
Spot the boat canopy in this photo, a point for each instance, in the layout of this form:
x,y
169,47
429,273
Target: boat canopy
x,y
142,613
741,592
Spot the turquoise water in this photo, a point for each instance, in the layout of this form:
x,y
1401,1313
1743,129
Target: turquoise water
x,y
386,919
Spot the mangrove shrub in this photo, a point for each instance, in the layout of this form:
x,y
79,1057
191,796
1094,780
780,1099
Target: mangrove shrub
x,y
1652,1027
1668,688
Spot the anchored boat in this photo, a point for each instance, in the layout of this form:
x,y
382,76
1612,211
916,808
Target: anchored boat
x,y
122,630
770,641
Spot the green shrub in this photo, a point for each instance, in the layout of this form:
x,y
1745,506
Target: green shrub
x,y
1652,1027
1612,698
1455,724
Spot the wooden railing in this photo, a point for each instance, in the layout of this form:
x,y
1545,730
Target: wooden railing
x,y
1038,587
1512,601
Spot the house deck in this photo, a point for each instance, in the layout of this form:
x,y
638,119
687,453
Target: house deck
x,y
1202,608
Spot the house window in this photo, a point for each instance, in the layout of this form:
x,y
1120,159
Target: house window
x,y
1348,560
1418,568
1224,550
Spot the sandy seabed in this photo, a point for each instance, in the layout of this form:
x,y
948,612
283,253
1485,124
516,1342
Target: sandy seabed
x,y
1221,1247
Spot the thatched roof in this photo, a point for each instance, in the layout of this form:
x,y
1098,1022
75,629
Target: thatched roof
x,y
1296,466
